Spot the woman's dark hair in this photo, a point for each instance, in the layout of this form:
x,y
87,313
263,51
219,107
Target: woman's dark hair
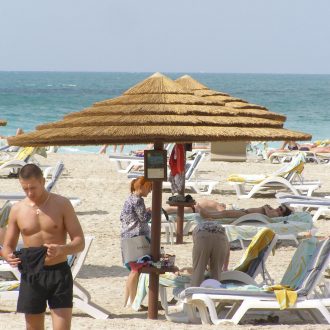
x,y
29,171
287,210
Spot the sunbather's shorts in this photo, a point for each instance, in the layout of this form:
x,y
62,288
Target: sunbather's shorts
x,y
53,284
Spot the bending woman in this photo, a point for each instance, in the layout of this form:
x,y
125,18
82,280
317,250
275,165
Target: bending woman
x,y
134,222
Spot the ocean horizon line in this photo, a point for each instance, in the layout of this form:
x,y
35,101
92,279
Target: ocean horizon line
x,y
168,72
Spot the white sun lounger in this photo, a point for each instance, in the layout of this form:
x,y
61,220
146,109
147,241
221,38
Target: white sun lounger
x,y
304,274
245,227
81,297
126,163
321,205
287,177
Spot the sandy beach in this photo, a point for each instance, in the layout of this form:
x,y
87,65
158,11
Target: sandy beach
x,y
102,190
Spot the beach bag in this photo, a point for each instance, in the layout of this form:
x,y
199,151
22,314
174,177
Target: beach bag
x,y
135,247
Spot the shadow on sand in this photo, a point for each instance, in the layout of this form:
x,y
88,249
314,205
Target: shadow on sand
x,y
97,271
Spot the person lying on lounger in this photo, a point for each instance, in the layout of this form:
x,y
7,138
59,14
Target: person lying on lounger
x,y
281,211
204,203
210,209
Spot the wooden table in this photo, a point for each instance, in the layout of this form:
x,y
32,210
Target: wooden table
x,y
155,270
180,217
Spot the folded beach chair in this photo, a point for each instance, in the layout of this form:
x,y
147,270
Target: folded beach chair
x,y
288,177
302,288
81,297
319,205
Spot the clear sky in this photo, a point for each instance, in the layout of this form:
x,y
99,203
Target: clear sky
x,y
243,36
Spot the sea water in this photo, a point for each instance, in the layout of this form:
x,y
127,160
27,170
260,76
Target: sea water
x,y
28,99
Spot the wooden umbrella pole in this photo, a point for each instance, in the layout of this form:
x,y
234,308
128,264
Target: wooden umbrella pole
x,y
155,242
180,210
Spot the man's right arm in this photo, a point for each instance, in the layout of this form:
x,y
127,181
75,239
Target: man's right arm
x,y
11,238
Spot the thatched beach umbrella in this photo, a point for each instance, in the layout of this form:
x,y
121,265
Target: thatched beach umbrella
x,y
3,122
158,110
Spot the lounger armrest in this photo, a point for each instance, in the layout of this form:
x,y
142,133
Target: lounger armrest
x,y
252,217
237,276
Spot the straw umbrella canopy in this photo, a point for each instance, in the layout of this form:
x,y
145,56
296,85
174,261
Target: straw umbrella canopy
x,y
199,89
158,110
3,122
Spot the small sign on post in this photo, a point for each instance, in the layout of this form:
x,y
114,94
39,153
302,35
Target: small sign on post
x,y
155,165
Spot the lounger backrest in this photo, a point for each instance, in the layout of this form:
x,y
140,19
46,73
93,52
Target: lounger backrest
x,y
297,268
296,165
259,248
78,259
55,176
4,214
25,153
194,165
315,269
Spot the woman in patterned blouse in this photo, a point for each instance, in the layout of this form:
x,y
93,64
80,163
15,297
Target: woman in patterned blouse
x,y
134,222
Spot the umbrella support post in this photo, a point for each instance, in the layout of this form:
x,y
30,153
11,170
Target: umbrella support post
x,y
155,242
153,296
179,224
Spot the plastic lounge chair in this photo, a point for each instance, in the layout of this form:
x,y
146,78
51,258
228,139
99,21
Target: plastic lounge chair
x,y
304,275
245,227
282,156
321,205
250,266
56,173
253,260
21,158
322,157
193,181
81,297
289,177
125,163
286,228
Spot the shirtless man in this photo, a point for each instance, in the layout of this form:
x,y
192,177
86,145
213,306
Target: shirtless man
x,y
44,220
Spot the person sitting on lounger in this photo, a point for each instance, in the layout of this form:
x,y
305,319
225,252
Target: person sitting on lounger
x,y
281,211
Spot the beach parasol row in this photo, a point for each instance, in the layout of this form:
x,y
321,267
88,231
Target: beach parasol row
x,y
161,110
